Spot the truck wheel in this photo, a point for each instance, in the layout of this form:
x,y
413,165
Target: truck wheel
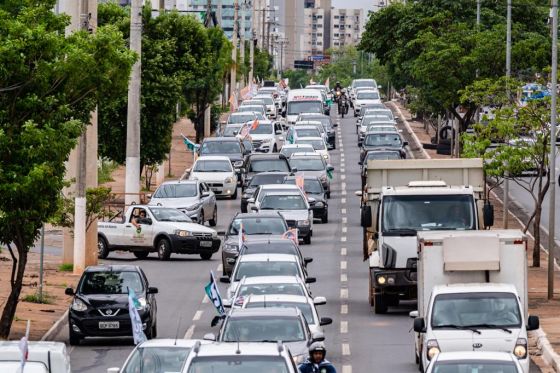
x,y
164,249
380,305
206,256
214,219
102,248
234,195
307,239
141,254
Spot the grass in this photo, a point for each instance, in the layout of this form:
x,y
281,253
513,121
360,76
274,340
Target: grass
x,y
34,298
105,170
66,267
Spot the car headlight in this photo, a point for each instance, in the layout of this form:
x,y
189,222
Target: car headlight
x,y
231,247
229,180
196,206
303,222
298,359
238,164
326,156
381,280
142,302
79,305
520,349
432,348
182,233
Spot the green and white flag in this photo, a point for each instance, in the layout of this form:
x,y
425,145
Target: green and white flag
x,y
213,294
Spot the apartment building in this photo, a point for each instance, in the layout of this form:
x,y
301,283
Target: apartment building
x,y
316,32
346,26
225,14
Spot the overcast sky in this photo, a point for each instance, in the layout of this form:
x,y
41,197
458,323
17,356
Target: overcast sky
x,y
364,4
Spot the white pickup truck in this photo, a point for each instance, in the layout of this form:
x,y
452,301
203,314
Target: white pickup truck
x,y
165,230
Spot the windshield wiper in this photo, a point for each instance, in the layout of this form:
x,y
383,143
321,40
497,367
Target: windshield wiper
x,y
401,231
458,327
491,326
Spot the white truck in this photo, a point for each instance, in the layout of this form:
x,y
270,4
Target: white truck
x,y
144,229
472,294
403,197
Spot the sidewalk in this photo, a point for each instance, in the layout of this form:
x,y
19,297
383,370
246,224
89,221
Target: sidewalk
x,y
44,316
537,283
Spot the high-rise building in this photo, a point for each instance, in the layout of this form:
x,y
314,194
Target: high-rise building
x,y
225,14
317,16
347,26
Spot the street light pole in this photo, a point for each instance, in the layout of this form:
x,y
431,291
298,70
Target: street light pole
x,y
508,75
233,77
552,160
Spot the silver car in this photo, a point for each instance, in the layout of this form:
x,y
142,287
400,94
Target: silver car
x,y
313,164
192,197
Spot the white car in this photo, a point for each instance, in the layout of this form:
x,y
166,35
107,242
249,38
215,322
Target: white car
x,y
316,123
474,361
300,132
364,97
268,100
41,355
241,117
289,149
254,202
318,144
218,173
267,137
252,108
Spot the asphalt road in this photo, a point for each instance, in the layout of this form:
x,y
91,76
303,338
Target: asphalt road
x,y
356,341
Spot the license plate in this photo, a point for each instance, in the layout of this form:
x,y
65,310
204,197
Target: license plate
x,y
109,325
206,243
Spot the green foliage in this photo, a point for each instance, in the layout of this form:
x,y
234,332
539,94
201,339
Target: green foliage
x,y
105,171
296,78
36,298
66,267
96,198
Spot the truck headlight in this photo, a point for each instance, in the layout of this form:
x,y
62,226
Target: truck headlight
x,y
520,349
79,305
303,222
182,233
381,280
432,349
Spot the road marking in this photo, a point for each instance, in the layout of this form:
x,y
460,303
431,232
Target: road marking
x,y
343,309
343,327
343,264
342,165
343,239
343,200
343,293
343,185
343,211
220,268
345,349
344,229
343,192
347,369
343,251
344,220
342,169
197,315
205,299
343,177
189,333
343,277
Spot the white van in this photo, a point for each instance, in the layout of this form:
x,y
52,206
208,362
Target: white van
x,y
49,357
303,101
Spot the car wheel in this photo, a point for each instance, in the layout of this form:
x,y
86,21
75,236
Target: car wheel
x,y
214,219
152,332
234,195
206,256
307,239
102,248
325,218
164,249
73,338
141,254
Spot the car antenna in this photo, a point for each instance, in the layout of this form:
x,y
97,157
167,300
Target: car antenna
x,y
177,331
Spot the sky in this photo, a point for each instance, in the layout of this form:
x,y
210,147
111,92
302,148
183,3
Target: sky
x,y
364,4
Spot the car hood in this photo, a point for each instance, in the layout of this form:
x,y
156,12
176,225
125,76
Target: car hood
x,y
106,300
232,157
174,202
191,227
262,137
211,176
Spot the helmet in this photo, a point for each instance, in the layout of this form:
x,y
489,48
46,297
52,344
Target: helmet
x,y
317,347
338,83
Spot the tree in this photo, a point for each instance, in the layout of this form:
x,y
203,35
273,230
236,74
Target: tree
x,y
516,153
45,99
296,78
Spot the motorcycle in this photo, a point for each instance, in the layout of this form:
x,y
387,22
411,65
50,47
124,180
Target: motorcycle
x,y
342,105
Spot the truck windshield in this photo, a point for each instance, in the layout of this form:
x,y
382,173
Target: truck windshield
x,y
296,107
474,366
475,310
427,212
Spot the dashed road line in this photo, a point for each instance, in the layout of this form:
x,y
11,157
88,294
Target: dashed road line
x,y
343,192
220,268
343,177
343,251
347,369
343,277
343,293
343,200
343,185
343,239
344,220
343,211
343,265
189,333
343,327
205,299
343,309
345,349
344,229
197,315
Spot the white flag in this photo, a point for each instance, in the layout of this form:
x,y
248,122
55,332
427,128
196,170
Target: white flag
x,y
135,320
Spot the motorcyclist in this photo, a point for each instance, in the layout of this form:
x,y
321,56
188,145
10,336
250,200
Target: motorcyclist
x,y
342,102
316,362
337,91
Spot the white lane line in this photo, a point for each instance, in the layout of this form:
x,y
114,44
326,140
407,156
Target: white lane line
x,y
342,165
343,327
343,239
189,333
342,177
220,268
343,264
343,192
347,369
343,185
205,299
344,309
342,170
343,293
344,220
343,277
197,315
343,251
343,200
343,211
345,349
344,229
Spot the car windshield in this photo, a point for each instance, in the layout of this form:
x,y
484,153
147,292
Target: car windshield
x,y
267,179
231,130
383,139
374,111
157,360
262,129
265,268
263,329
176,191
316,144
283,202
167,214
383,155
427,212
368,96
307,164
312,186
267,100
257,226
271,165
363,84
265,289
474,366
111,282
305,308
307,132
475,310
260,116
296,107
378,128
240,118
238,364
256,109
220,147
318,126
325,121
212,166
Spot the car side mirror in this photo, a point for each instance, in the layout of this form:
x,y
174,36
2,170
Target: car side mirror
x,y
533,323
113,370
281,138
358,193
488,214
325,321
278,132
153,290
319,301
225,280
335,125
405,143
307,260
209,337
294,170
310,280
419,325
317,337
149,196
413,314
69,291
311,200
254,208
205,194
360,163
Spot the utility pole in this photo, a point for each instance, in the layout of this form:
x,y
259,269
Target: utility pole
x,y
263,10
252,57
242,37
508,75
552,160
161,6
233,77
132,178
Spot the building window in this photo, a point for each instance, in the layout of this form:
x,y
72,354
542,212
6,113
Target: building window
x,y
336,35
336,43
320,34
335,26
336,17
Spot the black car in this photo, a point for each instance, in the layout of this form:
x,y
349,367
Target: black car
x,y
260,179
327,124
100,304
230,147
314,189
378,154
383,140
257,163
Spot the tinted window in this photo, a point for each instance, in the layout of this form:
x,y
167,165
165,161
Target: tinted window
x,y
270,248
263,289
472,366
254,226
220,147
305,308
383,139
383,155
262,129
157,360
176,191
168,214
307,132
231,131
307,164
238,364
253,269
241,118
368,96
289,151
113,282
261,179
267,329
296,107
312,186
272,165
257,109
316,144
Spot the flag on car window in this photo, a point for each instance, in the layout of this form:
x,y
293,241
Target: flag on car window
x,y
291,234
255,125
24,347
136,322
241,236
330,174
213,293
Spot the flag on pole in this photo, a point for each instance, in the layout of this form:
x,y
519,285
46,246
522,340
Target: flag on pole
x,y
291,234
328,82
24,347
300,182
135,320
330,174
213,293
241,236
255,125
190,144
244,131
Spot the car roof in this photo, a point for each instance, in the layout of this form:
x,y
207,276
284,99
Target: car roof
x,y
307,122
278,192
268,258
367,90
33,346
279,187
212,158
221,138
314,115
266,156
271,280
260,214
269,240
112,267
305,127
238,349
306,155
382,133
305,177
310,138
295,146
175,182
272,173
278,298
264,311
169,342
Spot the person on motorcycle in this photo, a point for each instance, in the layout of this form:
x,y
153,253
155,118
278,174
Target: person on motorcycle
x,y
337,91
316,362
343,103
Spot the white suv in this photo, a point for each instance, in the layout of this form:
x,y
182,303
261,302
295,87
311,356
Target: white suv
x,y
218,173
267,137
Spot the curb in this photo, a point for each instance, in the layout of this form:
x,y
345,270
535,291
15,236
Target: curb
x,y
410,131
550,357
56,328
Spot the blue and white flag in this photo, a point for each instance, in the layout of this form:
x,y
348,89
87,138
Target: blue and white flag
x,y
213,294
135,320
